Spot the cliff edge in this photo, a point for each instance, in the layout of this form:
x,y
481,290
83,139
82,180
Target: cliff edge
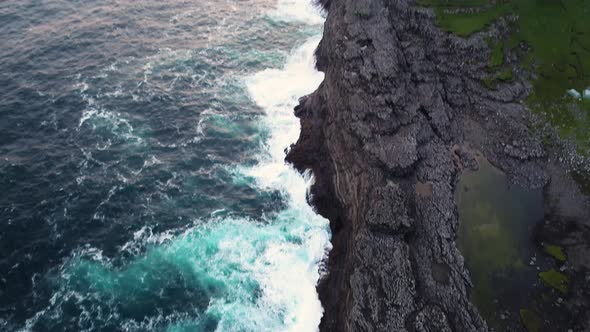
x,y
401,112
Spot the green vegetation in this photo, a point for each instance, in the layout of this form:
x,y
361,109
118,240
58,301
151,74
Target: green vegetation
x,y
490,83
465,23
531,321
556,252
558,36
505,75
555,279
497,58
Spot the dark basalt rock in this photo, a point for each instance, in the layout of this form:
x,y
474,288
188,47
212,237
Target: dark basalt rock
x,y
386,135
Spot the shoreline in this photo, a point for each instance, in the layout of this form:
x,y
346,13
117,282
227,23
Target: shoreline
x,y
386,135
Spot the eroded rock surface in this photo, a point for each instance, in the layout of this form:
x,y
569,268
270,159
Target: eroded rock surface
x,y
400,112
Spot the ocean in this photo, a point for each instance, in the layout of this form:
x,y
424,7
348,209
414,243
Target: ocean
x,y
142,169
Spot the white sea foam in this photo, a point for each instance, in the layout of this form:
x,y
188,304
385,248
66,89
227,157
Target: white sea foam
x,y
114,121
286,271
146,236
281,254
289,272
97,116
297,11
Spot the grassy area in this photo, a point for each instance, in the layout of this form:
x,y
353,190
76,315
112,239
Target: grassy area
x,y
497,48
558,35
480,14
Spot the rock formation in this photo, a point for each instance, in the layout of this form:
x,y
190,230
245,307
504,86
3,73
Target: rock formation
x,y
401,112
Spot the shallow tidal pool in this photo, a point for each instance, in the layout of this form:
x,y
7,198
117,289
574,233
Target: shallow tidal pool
x,y
496,222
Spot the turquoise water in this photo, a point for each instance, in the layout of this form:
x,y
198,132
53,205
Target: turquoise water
x,y
141,161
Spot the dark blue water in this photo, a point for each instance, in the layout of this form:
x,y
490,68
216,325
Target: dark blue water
x,y
141,171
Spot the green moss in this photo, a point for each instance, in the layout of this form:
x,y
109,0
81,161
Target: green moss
x,y
452,19
555,279
505,75
497,57
556,252
490,83
531,321
466,24
453,3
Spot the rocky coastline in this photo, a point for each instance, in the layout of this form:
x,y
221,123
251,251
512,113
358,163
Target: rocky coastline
x,y
401,113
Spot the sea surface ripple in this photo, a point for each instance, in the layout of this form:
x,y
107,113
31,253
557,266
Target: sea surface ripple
x,y
141,166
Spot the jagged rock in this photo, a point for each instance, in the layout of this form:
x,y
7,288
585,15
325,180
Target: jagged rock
x,y
431,319
398,117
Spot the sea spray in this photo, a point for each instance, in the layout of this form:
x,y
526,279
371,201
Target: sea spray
x,y
231,271
299,11
295,278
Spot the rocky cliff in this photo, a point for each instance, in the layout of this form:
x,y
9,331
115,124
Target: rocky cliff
x,y
401,113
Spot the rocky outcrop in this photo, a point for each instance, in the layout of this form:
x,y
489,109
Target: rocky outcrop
x,y
399,114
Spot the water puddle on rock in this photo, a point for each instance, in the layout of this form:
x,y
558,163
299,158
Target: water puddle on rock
x,y
496,222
